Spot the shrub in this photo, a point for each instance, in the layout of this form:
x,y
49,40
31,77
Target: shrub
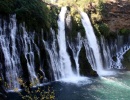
x,y
33,94
104,29
124,31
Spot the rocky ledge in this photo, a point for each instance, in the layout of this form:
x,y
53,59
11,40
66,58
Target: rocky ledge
x,y
116,14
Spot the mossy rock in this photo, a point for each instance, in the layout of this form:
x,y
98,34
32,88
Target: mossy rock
x,y
85,67
126,60
77,27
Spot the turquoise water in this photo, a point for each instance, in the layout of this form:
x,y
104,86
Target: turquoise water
x,y
101,88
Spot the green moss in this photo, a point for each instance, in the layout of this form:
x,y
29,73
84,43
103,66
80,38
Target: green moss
x,y
77,27
76,24
126,60
96,30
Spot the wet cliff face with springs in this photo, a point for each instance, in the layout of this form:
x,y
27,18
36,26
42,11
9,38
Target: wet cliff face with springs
x,y
29,55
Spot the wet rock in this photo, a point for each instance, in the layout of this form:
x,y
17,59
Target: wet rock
x,y
85,67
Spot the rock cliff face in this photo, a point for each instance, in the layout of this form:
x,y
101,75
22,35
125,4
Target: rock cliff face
x,y
116,14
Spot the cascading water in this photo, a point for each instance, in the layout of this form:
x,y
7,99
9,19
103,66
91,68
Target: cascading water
x,y
92,41
107,61
121,48
17,46
11,53
93,47
76,47
115,49
29,55
64,57
67,75
12,61
54,56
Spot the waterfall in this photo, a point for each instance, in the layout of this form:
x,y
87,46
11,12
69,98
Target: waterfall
x,y
76,47
11,51
92,41
107,61
22,53
121,48
11,56
27,42
114,49
65,62
92,47
54,56
59,59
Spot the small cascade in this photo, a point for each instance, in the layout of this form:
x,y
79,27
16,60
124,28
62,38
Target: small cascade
x,y
89,54
121,49
92,47
28,50
107,60
113,52
54,56
65,63
76,47
11,56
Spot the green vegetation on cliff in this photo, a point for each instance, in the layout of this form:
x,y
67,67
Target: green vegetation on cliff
x,y
126,60
94,8
38,14
34,13
111,17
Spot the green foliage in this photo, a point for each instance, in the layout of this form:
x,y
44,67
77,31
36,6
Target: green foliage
x,y
126,60
127,55
32,94
34,13
6,6
77,26
48,1
53,15
101,6
124,31
96,30
35,94
102,10
100,27
38,94
104,30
